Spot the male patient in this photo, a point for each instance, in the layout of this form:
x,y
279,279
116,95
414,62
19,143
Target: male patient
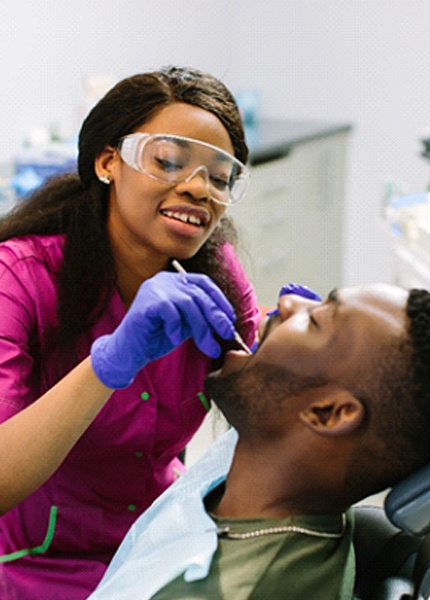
x,y
333,406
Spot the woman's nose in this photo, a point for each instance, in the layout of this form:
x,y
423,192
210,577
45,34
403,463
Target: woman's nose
x,y
196,184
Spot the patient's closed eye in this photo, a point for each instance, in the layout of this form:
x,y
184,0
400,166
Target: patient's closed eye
x,y
312,319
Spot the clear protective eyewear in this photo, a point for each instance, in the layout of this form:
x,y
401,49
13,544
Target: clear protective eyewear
x,y
174,159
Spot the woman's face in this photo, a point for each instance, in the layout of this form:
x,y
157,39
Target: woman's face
x,y
156,221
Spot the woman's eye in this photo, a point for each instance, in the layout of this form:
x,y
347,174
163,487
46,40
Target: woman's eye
x,y
219,183
168,165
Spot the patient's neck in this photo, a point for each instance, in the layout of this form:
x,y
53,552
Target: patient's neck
x,y
268,482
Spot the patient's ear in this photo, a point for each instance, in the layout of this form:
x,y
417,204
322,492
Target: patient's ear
x,y
338,413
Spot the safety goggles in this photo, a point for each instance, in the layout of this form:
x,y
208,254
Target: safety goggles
x,y
174,159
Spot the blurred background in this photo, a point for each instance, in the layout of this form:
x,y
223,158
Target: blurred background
x,y
363,63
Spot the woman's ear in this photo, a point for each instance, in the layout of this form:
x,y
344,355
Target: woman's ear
x,y
104,162
338,413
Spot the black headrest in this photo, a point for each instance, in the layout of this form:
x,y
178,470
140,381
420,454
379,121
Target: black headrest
x,y
408,503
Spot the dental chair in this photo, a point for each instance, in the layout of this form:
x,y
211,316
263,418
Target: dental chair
x,y
392,544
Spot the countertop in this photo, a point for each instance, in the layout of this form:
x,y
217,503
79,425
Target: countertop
x,y
270,139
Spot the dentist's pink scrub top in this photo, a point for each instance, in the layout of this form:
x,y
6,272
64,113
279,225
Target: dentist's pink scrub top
x,y
121,464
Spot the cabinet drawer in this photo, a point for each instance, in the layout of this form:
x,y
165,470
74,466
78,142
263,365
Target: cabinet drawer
x,y
291,222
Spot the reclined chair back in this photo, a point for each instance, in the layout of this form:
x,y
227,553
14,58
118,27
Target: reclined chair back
x,y
408,507
385,557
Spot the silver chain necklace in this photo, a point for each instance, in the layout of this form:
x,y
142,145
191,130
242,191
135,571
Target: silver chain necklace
x,y
226,533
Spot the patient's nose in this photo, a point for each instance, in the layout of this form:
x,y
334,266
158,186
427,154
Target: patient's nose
x,y
289,304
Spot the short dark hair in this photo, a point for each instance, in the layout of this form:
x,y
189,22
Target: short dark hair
x,y
397,400
418,313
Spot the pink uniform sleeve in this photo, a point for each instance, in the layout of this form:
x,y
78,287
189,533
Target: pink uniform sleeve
x,y
27,312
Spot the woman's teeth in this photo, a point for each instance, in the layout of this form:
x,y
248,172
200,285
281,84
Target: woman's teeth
x,y
183,217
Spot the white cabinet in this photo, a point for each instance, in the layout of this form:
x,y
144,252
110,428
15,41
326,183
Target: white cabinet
x,y
291,221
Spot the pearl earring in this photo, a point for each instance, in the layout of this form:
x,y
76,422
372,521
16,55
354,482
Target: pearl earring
x,y
105,179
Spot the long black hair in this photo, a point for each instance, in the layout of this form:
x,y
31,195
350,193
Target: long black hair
x,y
76,204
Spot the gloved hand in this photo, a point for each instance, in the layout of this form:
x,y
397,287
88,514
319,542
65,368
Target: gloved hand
x,y
168,309
298,290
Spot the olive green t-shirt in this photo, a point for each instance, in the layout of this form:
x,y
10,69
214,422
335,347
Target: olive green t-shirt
x,y
294,566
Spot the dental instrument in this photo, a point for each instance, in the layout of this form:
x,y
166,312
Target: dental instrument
x,y
237,336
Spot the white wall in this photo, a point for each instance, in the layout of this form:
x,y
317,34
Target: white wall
x,y
360,61
48,47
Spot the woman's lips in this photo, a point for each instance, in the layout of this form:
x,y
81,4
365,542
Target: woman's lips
x,y
187,214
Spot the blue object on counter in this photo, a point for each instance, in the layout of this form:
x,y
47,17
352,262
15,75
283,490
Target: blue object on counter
x,y
408,200
248,101
26,181
34,165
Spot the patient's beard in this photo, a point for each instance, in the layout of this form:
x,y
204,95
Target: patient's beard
x,y
253,398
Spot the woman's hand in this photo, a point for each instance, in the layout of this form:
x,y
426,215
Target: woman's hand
x,y
168,309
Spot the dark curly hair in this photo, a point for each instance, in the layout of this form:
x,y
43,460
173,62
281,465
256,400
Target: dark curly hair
x,y
397,400
75,204
418,312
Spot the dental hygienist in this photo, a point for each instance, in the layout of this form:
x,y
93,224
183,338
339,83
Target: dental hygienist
x,y
104,347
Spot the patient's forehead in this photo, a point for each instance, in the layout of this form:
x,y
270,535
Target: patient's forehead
x,y
386,302
383,292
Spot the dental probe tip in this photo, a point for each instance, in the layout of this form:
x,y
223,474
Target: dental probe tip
x,y
241,343
177,265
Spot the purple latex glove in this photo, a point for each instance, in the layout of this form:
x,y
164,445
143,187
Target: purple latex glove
x,y
298,290
168,309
